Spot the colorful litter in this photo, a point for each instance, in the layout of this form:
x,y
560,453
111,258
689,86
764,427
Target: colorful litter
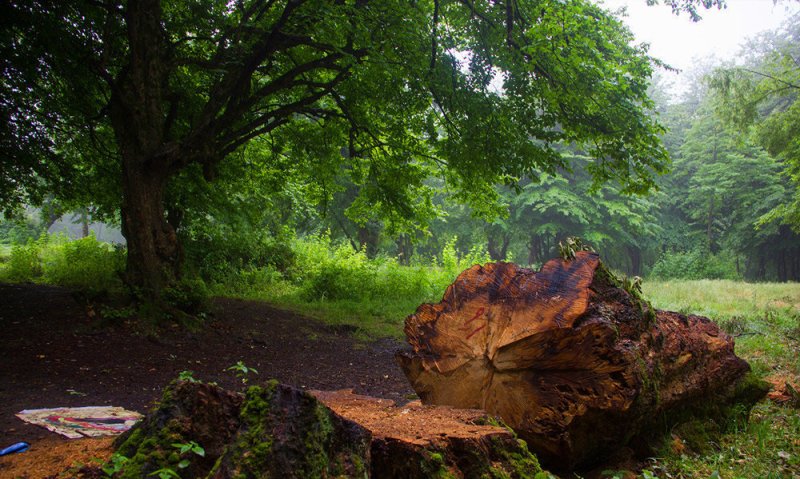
x,y
77,422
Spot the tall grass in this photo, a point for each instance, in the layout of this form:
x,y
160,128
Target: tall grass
x,y
341,285
85,263
764,318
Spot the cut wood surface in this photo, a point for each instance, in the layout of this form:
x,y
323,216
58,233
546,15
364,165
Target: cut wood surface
x,y
570,360
418,441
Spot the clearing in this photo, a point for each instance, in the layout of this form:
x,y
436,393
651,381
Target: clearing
x,y
54,355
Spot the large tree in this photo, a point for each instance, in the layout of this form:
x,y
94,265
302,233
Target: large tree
x,y
114,100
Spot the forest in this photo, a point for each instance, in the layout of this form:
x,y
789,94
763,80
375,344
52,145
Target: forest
x,y
346,160
727,208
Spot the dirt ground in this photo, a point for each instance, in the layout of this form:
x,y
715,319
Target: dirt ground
x,y
54,355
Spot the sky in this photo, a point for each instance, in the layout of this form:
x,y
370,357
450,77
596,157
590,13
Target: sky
x,y
680,42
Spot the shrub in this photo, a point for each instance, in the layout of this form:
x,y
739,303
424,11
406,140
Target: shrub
x,y
216,254
84,263
189,295
24,263
695,264
20,229
344,274
339,272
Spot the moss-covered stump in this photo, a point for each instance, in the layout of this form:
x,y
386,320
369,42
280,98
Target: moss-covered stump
x,y
287,433
276,431
416,441
573,359
273,431
188,412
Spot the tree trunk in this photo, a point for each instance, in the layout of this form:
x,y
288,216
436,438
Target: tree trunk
x,y
574,363
635,255
154,253
138,112
405,249
84,222
369,237
498,247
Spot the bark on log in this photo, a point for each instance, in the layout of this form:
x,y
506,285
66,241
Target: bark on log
x,y
569,359
276,431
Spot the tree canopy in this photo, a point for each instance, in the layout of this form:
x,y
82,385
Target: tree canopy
x,y
132,106
760,98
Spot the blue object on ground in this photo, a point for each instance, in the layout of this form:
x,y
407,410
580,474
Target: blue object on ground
x,y
18,447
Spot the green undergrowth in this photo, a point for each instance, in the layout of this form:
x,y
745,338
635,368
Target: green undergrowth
x,y
86,264
340,285
764,319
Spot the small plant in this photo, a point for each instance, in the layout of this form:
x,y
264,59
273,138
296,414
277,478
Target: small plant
x,y
183,448
115,464
572,245
112,313
612,474
632,285
241,371
166,473
187,376
189,447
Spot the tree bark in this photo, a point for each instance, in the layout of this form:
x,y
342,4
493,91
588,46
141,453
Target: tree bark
x,y
137,109
574,363
635,255
154,254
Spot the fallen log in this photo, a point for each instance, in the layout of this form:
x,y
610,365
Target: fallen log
x,y
277,431
576,364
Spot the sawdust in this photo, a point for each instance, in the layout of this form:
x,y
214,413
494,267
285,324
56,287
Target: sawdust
x,y
53,456
413,422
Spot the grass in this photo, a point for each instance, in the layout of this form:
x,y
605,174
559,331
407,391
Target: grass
x,y
85,263
341,286
765,319
369,315
722,298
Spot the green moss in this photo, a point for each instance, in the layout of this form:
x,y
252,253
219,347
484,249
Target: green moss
x,y
699,435
517,460
315,442
308,443
521,462
149,454
254,438
434,466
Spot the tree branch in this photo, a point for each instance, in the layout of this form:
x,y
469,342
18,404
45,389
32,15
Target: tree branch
x,y
771,77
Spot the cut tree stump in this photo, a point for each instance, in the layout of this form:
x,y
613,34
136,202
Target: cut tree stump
x,y
417,441
573,362
277,431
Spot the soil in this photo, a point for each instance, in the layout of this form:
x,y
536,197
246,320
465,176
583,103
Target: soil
x,y
55,353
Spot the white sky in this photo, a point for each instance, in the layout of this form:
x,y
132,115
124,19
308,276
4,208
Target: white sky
x,y
679,42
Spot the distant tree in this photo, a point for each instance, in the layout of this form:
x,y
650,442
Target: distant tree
x,y
719,189
761,97
558,206
117,100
